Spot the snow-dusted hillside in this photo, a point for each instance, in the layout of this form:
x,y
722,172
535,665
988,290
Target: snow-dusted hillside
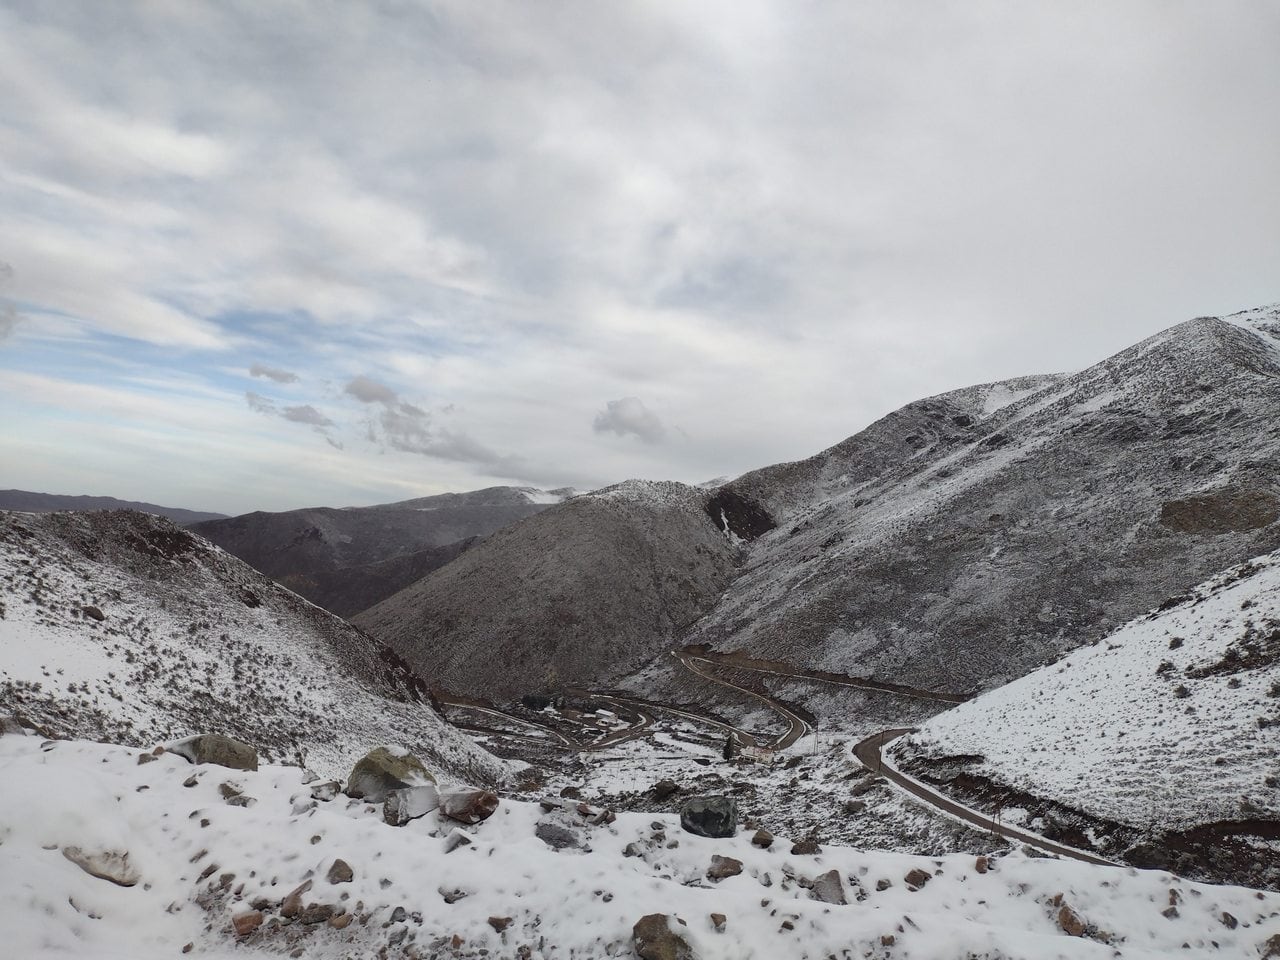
x,y
1169,724
122,626
970,537
202,864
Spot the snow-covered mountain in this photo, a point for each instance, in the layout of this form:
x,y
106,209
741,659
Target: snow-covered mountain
x,y
122,626
348,559
1165,732
955,544
31,502
281,874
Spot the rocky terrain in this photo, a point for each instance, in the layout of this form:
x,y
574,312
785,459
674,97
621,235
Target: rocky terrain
x,y
105,856
346,560
30,502
123,626
1113,746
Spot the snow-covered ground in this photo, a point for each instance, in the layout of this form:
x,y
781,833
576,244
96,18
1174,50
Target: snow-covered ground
x,y
202,862
122,626
1133,728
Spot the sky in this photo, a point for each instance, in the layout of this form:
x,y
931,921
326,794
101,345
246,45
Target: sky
x,y
265,255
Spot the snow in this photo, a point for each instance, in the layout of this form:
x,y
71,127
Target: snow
x,y
1111,731
203,861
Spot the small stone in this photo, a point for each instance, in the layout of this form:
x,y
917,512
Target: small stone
x,y
762,839
455,840
326,790
246,923
292,904
655,940
401,805
93,613
1070,922
216,749
633,849
560,830
191,781
917,878
883,885
146,758
316,913
340,872
1229,921
718,921
723,867
453,896
982,865
342,921
829,889
499,923
888,940
109,865
1169,913
664,789
806,848
187,948
571,793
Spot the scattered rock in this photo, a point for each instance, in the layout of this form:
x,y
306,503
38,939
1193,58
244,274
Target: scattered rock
x,y
340,872
104,864
715,816
561,830
217,749
326,790
829,888
499,923
917,878
455,840
723,867
807,847
246,923
381,770
762,839
664,789
292,904
655,940
408,803
718,921
468,806
1070,922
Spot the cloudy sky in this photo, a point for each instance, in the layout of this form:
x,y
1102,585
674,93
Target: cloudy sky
x,y
274,254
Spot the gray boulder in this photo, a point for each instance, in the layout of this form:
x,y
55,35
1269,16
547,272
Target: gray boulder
x,y
829,888
409,803
382,770
715,816
215,748
561,830
104,864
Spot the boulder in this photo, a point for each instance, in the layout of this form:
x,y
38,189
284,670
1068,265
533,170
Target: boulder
x,y
829,888
468,806
408,803
655,940
723,867
561,830
714,816
762,839
382,770
104,864
215,748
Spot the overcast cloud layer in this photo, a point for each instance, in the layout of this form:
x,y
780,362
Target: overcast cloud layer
x,y
266,255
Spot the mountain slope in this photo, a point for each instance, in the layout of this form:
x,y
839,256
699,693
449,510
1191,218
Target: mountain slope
x,y
45,502
122,626
348,559
579,593
1168,726
952,545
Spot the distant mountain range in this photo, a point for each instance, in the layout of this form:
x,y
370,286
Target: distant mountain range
x,y
346,560
956,543
30,502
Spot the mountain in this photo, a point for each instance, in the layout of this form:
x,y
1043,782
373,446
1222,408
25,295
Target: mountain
x,y
955,544
967,538
1159,739
580,591
30,502
122,626
347,559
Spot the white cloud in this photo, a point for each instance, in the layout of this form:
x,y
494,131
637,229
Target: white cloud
x,y
629,417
